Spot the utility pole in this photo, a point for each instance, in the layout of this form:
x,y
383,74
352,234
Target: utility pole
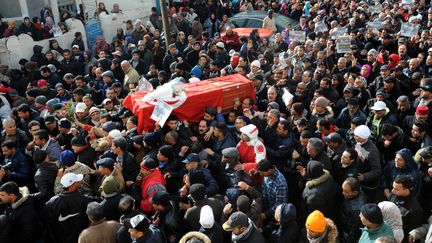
x,y
165,23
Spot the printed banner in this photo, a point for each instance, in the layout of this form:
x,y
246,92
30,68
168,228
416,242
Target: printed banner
x,y
299,36
343,44
339,31
409,30
375,26
161,112
321,27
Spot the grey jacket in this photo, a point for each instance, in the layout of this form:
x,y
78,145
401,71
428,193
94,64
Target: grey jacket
x,y
424,232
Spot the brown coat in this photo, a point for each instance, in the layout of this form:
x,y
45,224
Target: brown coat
x,y
104,232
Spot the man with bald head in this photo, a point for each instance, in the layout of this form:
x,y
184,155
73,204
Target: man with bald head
x,y
131,75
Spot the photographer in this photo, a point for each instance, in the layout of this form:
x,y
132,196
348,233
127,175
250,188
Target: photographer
x,y
15,167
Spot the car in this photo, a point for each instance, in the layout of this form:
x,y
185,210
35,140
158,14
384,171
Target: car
x,y
254,19
246,32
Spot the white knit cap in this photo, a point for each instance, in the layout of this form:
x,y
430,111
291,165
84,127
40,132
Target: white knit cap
x,y
362,131
115,134
206,217
256,63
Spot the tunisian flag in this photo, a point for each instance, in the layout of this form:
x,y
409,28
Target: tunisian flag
x,y
214,92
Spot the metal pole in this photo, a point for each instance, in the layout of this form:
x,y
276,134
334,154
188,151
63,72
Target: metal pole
x,y
165,24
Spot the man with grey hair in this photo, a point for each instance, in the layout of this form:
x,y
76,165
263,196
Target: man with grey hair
x,y
131,77
11,132
100,230
404,108
315,149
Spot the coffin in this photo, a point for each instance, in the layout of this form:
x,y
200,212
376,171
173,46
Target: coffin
x,y
215,92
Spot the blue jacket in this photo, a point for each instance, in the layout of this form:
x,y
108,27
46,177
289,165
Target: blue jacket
x,y
21,169
343,121
410,168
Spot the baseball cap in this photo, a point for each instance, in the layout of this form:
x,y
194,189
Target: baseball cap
x,y
49,120
230,153
41,82
333,138
161,198
80,107
94,109
75,46
301,122
192,157
220,45
65,123
237,219
353,102
379,106
211,110
139,222
426,152
70,178
426,88
105,101
106,162
68,75
108,74
384,67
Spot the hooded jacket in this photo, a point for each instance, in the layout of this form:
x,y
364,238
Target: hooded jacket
x,y
21,215
253,151
287,230
319,194
150,185
37,55
393,217
194,234
410,169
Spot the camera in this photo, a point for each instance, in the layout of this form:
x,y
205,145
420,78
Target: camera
x,y
7,166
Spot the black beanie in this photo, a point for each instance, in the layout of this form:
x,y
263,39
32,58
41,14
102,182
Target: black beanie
x,y
373,213
167,151
197,191
314,169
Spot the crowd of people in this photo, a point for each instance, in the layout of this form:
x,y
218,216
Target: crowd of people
x,y
333,147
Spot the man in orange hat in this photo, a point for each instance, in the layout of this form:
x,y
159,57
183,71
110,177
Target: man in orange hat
x,y
320,229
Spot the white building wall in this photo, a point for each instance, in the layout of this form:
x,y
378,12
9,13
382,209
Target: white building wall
x,y
14,48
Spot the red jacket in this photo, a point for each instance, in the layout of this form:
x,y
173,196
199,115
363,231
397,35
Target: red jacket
x,y
232,41
248,159
149,186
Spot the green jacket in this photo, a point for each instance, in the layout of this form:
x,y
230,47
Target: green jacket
x,y
370,235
